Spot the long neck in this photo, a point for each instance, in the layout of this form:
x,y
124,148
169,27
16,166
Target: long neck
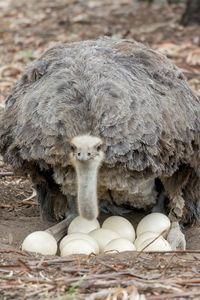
x,y
87,190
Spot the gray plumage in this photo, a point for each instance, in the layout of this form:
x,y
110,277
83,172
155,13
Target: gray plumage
x,y
132,97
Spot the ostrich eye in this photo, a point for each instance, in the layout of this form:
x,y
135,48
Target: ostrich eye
x,y
99,148
72,148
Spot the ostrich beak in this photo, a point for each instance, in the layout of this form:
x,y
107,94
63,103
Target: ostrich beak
x,y
83,156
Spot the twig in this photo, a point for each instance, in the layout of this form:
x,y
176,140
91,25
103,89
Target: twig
x,y
100,294
14,251
24,265
142,251
185,281
26,201
110,267
95,268
169,263
7,174
11,267
177,295
39,292
190,74
12,206
52,261
172,251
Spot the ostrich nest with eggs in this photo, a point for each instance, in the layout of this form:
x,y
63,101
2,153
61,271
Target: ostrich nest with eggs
x,y
105,117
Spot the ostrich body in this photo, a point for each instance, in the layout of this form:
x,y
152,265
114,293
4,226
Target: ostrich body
x,y
120,92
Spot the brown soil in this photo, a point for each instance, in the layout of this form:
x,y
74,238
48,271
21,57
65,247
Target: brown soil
x,y
26,28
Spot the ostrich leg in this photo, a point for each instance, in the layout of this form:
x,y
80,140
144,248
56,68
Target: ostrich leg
x,y
176,238
174,187
60,229
187,207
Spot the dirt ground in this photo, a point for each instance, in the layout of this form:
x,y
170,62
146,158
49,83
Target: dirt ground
x,y
26,28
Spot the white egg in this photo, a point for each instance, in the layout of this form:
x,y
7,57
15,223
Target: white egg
x,y
40,242
155,222
82,236
144,236
77,247
83,225
158,245
103,237
120,225
119,245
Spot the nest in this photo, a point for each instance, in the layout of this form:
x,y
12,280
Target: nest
x,y
127,275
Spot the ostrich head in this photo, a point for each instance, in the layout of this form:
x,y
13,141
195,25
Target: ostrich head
x,y
86,156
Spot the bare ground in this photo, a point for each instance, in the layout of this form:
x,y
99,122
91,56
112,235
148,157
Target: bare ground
x,y
26,28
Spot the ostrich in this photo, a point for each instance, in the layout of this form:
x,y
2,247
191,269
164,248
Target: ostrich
x,y
109,112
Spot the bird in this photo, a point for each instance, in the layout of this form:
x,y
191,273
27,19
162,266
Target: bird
x,y
106,123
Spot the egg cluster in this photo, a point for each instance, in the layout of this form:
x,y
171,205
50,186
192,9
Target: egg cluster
x,y
116,235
